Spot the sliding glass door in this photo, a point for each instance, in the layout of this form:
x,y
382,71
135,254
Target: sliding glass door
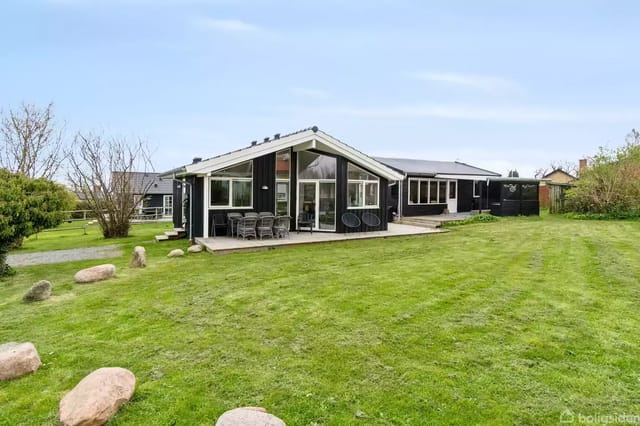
x,y
317,202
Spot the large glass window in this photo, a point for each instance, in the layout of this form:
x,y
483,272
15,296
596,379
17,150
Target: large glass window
x,y
316,166
428,191
283,171
232,187
362,188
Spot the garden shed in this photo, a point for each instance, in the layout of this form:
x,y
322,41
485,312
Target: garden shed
x,y
513,196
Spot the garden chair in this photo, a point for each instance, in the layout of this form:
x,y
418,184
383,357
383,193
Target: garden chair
x,y
232,222
246,227
371,220
265,226
262,214
351,221
281,226
218,220
306,220
251,214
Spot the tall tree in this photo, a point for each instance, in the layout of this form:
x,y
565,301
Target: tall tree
x,y
101,170
28,206
33,142
611,181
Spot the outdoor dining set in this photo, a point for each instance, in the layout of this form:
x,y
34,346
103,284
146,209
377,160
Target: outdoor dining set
x,y
252,224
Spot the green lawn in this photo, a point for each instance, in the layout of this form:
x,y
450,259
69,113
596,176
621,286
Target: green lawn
x,y
499,323
73,235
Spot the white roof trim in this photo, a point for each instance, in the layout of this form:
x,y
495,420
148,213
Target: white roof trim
x,y
464,177
226,160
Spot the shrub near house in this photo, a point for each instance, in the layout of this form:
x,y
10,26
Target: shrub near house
x,y
26,207
610,185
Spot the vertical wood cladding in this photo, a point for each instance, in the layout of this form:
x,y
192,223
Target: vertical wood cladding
x,y
177,204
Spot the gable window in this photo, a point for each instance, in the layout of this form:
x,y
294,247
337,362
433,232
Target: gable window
x,y
427,191
362,188
232,187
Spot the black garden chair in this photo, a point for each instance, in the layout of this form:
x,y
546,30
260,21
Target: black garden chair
x,y
371,220
351,221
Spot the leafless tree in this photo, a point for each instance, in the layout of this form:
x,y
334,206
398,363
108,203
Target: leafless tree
x,y
565,166
33,143
101,172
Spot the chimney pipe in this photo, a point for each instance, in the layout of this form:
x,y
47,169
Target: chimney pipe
x,y
582,164
254,143
266,139
276,136
196,160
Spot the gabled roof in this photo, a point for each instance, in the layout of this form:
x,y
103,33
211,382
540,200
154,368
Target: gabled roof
x,y
152,181
559,171
310,138
434,168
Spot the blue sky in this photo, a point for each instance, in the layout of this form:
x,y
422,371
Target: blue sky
x,y
498,84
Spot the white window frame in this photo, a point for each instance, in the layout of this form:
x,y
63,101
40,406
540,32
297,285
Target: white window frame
x,y
363,190
164,205
286,181
418,181
230,181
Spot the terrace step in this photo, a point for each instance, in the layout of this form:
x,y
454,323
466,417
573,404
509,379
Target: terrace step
x,y
176,234
423,223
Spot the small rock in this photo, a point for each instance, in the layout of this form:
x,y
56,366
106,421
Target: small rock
x,y
97,397
196,248
39,291
248,416
18,359
176,253
138,258
96,273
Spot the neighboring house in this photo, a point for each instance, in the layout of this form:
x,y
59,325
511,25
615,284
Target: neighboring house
x,y
435,187
158,194
307,174
555,177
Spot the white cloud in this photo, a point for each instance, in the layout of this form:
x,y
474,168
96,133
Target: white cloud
x,y
489,84
233,26
306,92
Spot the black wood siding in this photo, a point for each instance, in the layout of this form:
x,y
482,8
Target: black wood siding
x,y
342,201
512,205
465,195
196,205
177,204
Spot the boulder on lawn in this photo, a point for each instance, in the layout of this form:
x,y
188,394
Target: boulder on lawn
x,y
176,253
196,248
97,397
138,257
96,273
248,416
18,359
39,291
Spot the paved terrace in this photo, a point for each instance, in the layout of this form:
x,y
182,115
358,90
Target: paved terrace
x,y
228,244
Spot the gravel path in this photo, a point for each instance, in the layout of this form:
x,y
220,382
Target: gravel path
x,y
61,256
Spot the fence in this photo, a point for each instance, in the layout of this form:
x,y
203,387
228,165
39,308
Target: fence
x,y
557,196
147,214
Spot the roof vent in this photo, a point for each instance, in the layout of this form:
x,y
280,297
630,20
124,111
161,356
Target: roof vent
x,y
276,136
266,139
254,143
196,160
315,129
